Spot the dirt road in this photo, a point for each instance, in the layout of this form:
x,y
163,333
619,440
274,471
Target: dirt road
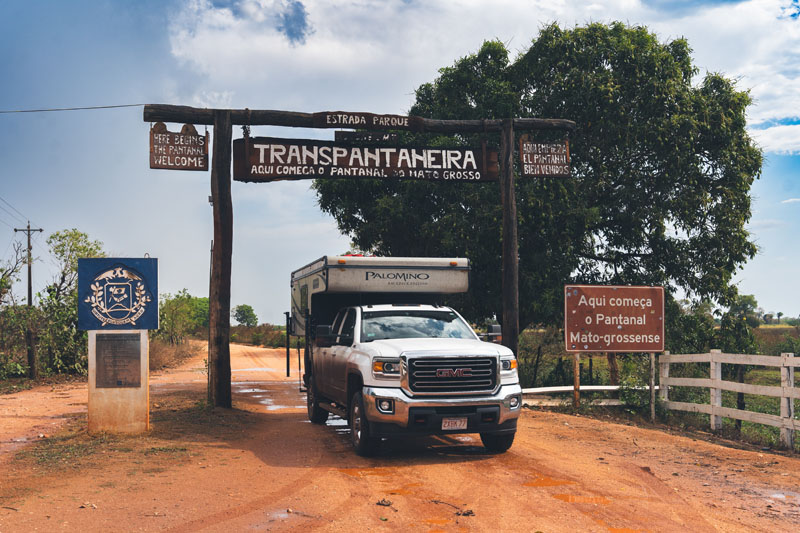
x,y
263,467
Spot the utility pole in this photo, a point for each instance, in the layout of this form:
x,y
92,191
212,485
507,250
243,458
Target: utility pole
x,y
32,373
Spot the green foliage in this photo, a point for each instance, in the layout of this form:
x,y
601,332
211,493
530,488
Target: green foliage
x,y
662,170
62,348
689,327
180,316
634,382
245,315
744,306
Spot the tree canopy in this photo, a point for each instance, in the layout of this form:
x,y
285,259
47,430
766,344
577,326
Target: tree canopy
x,y
661,171
245,315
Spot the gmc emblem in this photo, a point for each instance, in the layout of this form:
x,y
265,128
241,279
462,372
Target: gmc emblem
x,y
451,373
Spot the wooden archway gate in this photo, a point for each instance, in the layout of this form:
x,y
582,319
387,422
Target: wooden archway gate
x,y
223,120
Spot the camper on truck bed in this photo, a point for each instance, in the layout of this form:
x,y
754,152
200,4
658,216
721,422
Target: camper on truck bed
x,y
383,354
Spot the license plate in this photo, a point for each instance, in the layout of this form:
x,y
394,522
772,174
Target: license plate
x,y
454,423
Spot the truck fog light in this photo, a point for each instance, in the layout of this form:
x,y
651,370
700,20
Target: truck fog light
x,y
513,402
385,406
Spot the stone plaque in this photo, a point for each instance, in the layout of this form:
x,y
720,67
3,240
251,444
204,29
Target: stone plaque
x,y
119,360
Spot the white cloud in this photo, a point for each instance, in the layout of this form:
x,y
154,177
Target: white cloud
x,y
371,55
779,139
791,201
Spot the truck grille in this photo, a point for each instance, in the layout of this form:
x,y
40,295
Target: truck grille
x,y
452,374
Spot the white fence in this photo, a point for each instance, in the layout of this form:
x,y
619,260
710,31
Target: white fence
x,y
787,392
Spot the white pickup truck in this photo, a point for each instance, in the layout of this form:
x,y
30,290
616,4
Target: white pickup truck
x,y
381,352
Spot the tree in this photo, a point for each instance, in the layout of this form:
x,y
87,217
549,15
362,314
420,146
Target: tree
x,y
180,315
661,173
59,337
244,315
9,270
745,307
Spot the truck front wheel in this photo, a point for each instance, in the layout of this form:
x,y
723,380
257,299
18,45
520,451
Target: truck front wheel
x,y
363,444
316,414
497,442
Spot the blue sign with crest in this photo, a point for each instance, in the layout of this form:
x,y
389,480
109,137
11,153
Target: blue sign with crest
x,y
117,293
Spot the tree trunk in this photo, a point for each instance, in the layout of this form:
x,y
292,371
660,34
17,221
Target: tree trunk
x,y
613,369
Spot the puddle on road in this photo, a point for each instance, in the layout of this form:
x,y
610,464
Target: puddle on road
x,y
573,498
437,521
547,482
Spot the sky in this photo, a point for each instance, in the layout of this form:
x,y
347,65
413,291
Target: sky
x,y
90,169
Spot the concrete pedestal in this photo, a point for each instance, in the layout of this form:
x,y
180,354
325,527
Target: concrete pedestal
x,y
119,392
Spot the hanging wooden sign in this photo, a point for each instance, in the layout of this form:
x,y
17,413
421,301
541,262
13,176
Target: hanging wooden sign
x,y
186,150
366,121
267,159
544,160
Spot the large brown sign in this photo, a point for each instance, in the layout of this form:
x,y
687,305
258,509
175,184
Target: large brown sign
x,y
268,159
543,160
366,121
178,151
604,318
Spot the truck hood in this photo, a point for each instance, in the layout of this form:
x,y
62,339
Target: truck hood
x,y
444,347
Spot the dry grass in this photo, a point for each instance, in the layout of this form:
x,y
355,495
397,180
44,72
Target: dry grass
x,y
166,355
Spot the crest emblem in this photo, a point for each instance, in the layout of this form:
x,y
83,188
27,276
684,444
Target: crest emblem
x,y
118,296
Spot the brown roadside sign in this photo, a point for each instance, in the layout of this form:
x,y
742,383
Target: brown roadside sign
x,y
544,160
609,318
259,159
184,150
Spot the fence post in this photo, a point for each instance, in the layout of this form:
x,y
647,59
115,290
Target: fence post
x,y
715,373
652,387
663,373
787,401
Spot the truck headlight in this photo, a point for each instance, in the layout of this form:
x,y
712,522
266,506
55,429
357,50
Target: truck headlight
x,y
506,365
386,368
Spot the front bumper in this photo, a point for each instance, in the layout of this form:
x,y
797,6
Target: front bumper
x,y
423,416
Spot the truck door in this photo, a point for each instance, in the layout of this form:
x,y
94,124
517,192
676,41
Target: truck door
x,y
323,357
340,354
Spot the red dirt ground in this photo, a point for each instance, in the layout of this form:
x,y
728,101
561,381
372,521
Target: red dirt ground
x,y
262,466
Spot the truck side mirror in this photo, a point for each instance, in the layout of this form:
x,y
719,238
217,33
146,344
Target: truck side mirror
x,y
495,333
323,336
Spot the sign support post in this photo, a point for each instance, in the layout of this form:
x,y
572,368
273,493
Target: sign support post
x,y
219,305
508,200
576,382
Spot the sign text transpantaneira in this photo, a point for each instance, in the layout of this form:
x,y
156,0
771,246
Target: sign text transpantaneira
x,y
268,159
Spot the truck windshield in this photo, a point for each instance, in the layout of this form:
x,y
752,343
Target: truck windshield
x,y
379,325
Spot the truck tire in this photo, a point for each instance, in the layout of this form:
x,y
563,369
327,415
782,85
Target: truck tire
x,y
497,442
363,443
316,414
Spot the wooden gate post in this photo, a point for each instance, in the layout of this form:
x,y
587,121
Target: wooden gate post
x,y
219,309
787,398
715,373
510,255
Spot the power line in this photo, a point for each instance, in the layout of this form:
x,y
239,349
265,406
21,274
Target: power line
x,y
14,208
12,214
6,111
6,223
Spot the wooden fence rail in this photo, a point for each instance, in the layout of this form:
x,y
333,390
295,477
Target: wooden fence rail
x,y
786,392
